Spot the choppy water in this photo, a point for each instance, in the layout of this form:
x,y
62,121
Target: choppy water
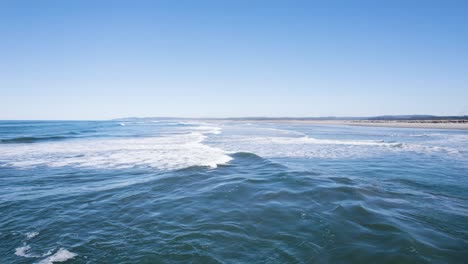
x,y
191,192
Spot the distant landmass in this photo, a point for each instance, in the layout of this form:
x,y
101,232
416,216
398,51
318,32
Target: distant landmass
x,y
417,117
372,118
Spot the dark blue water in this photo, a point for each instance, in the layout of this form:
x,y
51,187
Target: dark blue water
x,y
231,192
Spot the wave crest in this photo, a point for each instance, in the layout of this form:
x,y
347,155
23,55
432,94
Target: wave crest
x,y
30,139
165,152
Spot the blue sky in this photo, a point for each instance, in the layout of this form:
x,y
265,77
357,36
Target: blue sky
x,y
109,59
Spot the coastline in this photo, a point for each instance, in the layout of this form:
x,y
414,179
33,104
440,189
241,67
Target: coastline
x,y
416,124
452,125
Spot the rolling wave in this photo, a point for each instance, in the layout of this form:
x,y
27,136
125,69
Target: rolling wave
x,y
309,147
31,139
166,152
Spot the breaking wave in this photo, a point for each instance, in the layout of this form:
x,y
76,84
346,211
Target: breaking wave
x,y
308,147
60,256
166,152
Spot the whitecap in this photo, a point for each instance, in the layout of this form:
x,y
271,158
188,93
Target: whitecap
x,y
164,152
23,252
60,256
309,147
310,140
30,235
208,129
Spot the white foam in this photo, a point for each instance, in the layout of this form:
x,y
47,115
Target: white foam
x,y
208,129
204,128
48,252
165,152
431,149
308,147
30,235
309,140
23,252
60,256
185,146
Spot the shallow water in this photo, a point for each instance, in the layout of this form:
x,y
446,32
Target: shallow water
x,y
168,191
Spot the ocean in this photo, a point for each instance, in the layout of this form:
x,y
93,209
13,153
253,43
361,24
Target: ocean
x,y
186,191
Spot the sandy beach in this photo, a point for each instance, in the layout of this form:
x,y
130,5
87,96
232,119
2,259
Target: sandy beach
x,y
445,124
425,124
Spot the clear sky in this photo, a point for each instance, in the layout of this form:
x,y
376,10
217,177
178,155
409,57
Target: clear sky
x,y
108,59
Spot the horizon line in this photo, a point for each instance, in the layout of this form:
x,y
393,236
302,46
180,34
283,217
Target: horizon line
x,y
411,116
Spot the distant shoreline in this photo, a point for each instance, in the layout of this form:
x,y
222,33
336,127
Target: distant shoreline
x,y
404,121
433,124
425,124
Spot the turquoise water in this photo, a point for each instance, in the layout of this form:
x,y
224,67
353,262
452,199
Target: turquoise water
x,y
231,192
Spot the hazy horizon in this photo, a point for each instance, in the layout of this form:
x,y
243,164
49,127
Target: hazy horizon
x,y
103,60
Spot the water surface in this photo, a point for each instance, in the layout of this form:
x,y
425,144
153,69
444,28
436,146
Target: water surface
x,y
170,191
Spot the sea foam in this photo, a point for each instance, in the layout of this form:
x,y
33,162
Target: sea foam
x,y
163,152
23,252
309,147
60,256
30,235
